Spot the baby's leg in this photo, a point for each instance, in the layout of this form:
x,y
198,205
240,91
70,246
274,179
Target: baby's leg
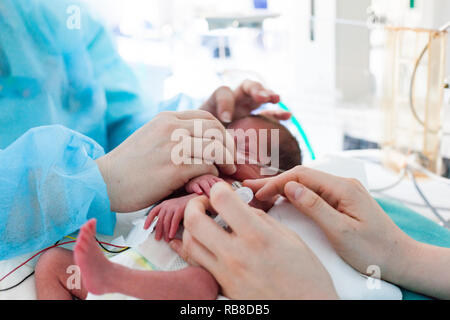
x,y
51,276
101,276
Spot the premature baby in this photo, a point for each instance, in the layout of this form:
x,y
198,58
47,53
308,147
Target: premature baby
x,y
101,276
170,212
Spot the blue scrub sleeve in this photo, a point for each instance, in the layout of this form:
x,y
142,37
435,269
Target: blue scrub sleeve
x,y
50,186
126,111
99,79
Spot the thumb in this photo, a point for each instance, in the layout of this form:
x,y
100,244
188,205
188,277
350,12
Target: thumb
x,y
312,205
177,246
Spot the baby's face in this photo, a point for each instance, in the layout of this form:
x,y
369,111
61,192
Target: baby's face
x,y
247,170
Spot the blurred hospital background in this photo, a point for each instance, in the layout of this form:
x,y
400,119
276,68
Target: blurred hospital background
x,y
329,59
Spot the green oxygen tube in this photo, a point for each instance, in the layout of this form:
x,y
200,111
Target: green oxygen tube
x,y
300,129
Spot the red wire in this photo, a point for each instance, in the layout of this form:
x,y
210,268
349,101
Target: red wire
x,y
112,245
34,256
42,251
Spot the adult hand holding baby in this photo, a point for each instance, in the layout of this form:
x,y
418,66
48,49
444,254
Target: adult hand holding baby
x,y
360,231
141,171
258,259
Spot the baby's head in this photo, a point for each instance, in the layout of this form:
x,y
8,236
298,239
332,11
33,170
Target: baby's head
x,y
289,153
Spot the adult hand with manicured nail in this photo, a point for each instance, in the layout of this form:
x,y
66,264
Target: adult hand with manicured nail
x,y
228,105
360,231
259,259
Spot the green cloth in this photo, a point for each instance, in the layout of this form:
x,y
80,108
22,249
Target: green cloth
x,y
417,227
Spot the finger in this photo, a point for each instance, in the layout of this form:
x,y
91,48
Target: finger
x,y
257,92
189,170
224,136
311,204
193,252
237,214
212,181
196,188
203,228
264,188
217,179
225,103
151,216
201,128
256,184
324,184
270,221
274,97
279,115
177,246
215,146
194,114
167,223
176,220
208,129
205,187
211,151
160,225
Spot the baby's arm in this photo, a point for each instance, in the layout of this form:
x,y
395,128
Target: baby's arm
x,y
170,213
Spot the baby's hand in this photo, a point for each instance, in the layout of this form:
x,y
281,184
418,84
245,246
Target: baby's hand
x,y
202,185
170,213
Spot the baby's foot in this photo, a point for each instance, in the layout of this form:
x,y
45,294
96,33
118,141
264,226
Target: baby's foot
x,y
95,267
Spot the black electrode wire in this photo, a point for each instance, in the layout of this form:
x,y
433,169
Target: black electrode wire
x,y
19,283
109,251
24,279
32,273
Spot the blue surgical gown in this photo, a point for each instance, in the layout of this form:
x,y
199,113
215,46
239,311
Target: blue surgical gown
x,y
66,98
